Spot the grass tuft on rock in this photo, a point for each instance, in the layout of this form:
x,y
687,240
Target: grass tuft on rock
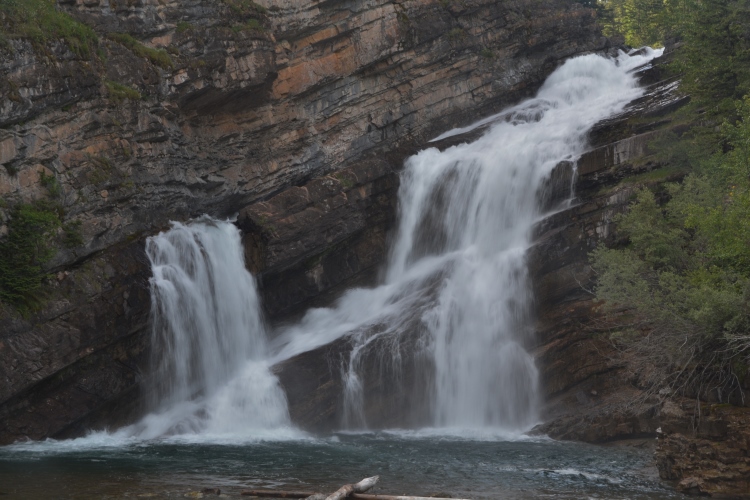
x,y
245,8
41,22
159,57
183,26
118,92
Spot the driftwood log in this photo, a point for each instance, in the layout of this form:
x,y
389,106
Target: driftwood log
x,y
354,496
276,493
365,496
353,491
348,489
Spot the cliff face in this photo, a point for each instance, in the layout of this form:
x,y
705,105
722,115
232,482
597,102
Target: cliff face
x,y
590,392
296,114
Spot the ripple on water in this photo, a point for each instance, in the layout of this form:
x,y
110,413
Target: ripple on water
x,y
409,462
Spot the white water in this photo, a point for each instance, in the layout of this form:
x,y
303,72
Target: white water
x,y
210,374
454,302
456,273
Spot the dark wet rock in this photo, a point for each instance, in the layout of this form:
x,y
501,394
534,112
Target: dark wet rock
x,y
314,237
66,363
325,98
590,395
394,393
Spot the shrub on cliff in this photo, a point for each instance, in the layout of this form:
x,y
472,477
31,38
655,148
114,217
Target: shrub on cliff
x,y
25,250
682,284
40,21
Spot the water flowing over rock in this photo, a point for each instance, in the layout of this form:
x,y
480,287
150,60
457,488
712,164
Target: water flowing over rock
x,y
451,315
239,116
208,372
442,341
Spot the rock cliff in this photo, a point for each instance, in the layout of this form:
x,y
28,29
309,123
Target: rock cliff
x,y
294,114
591,394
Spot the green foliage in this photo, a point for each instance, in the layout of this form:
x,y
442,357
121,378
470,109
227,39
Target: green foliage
x,y
684,278
25,250
50,182
183,26
685,274
11,169
101,170
345,180
487,53
118,92
159,57
456,34
641,22
715,56
72,235
41,22
245,8
249,25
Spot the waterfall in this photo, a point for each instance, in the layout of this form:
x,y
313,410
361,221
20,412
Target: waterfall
x,y
443,340
209,373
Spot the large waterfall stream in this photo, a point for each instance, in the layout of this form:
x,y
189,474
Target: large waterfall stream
x,y
455,300
446,332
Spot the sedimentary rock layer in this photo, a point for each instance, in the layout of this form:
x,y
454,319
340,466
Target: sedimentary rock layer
x,y
591,394
214,106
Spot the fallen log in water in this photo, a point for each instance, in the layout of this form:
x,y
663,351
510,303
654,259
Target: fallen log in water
x,y
276,493
354,496
353,491
365,496
348,489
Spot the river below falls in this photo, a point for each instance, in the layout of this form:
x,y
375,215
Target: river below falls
x,y
414,463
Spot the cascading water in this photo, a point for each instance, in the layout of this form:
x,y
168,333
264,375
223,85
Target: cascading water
x,y
456,288
209,345
441,342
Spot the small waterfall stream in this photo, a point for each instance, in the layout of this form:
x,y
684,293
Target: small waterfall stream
x,y
209,342
444,336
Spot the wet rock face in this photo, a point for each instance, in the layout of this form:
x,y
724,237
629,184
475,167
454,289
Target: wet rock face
x,y
590,394
309,239
68,361
293,112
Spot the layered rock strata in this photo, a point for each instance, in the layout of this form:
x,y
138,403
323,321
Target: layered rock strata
x,y
591,394
184,108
